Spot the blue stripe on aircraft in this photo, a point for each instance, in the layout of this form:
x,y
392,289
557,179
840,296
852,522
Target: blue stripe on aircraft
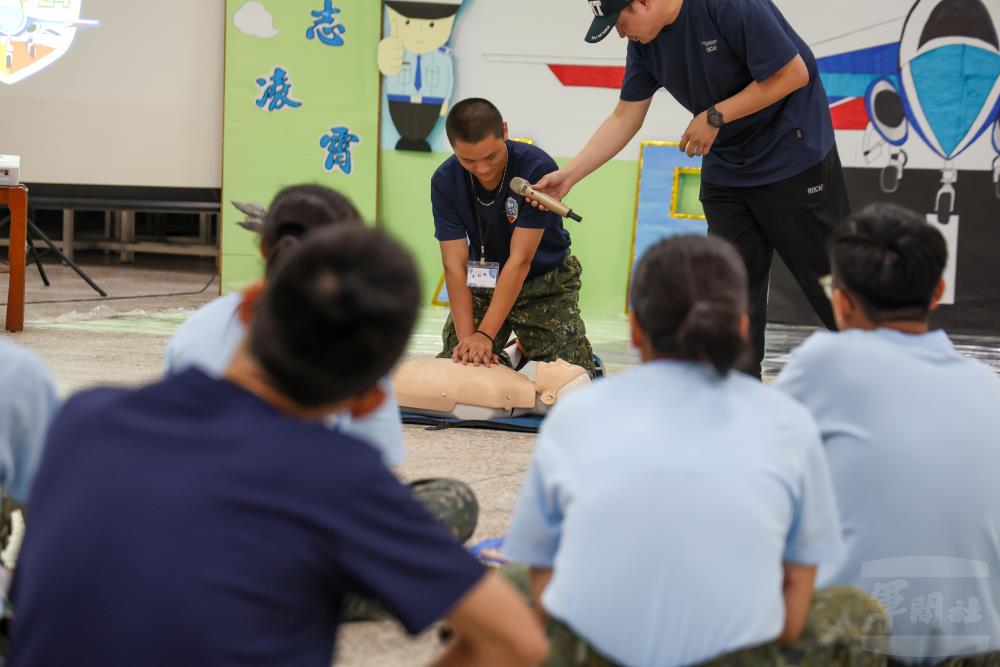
x,y
882,59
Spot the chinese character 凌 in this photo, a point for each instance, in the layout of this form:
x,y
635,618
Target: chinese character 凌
x,y
276,92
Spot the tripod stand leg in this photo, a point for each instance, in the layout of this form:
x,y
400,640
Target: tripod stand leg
x,y
70,263
37,261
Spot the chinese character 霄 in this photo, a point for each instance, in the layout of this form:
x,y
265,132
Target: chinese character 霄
x,y
338,148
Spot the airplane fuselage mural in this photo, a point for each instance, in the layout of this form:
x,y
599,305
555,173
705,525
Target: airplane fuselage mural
x,y
940,85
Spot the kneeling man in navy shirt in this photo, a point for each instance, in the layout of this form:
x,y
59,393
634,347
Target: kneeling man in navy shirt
x,y
213,522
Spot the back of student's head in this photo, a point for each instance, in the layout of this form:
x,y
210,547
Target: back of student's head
x,y
336,314
689,296
299,209
890,260
472,120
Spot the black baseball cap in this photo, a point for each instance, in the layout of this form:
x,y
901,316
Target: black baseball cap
x,y
605,16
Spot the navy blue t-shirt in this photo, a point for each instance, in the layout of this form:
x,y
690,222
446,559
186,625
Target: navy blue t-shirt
x,y
452,201
715,49
190,523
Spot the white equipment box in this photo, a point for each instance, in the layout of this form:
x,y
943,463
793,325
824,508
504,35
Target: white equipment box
x,y
10,169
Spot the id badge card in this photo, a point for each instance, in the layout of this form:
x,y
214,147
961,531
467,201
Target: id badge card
x,y
483,274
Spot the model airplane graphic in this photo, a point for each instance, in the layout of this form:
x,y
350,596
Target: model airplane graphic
x,y
19,26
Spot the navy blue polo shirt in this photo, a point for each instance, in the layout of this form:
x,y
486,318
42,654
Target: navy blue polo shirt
x,y
715,49
452,201
191,523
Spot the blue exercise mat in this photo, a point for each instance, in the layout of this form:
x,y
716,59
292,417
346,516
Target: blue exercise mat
x,y
527,424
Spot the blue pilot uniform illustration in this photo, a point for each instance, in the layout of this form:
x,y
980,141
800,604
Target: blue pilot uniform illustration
x,y
946,88
418,66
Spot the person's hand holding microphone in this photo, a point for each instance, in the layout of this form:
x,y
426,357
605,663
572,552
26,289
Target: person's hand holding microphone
x,y
542,196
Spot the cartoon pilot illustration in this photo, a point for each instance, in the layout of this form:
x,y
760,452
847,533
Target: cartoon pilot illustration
x,y
418,67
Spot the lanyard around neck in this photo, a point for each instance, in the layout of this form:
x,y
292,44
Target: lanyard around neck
x,y
476,202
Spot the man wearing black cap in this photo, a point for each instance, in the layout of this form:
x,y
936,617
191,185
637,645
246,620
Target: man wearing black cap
x,y
771,177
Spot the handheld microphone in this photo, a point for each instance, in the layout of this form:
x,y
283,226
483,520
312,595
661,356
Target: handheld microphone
x,y
522,187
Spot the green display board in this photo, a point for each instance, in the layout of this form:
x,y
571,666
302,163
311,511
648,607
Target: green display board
x,y
301,106
324,85
688,201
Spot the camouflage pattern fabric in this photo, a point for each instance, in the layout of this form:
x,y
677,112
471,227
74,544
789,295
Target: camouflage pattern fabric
x,y
545,317
984,660
7,508
846,628
449,501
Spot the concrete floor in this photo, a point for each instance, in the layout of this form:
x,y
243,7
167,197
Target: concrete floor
x,y
87,341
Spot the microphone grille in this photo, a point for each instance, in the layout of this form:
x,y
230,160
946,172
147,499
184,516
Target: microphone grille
x,y
518,184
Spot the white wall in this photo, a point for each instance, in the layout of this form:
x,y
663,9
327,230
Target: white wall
x,y
502,48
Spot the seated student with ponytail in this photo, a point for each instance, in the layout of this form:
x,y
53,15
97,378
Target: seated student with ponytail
x,y
209,338
689,526
216,522
911,428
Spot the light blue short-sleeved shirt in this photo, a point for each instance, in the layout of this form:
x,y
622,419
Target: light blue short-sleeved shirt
x,y
666,500
209,339
911,429
436,79
27,404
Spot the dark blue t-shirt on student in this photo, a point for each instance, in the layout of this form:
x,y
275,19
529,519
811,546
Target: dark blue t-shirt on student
x,y
452,201
715,49
191,523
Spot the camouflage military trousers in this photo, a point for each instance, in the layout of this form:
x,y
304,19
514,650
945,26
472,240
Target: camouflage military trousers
x,y
984,660
545,317
846,627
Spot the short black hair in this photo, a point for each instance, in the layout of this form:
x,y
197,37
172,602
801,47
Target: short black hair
x,y
298,209
472,120
890,259
689,295
336,314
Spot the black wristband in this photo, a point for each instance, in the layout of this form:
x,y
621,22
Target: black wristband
x,y
480,331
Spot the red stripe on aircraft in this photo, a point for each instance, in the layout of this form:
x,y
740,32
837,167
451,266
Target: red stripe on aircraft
x,y
847,115
589,76
850,114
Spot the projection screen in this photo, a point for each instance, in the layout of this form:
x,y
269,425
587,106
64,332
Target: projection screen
x,y
113,93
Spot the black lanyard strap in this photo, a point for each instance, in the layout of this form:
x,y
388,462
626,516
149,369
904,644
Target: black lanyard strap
x,y
475,201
